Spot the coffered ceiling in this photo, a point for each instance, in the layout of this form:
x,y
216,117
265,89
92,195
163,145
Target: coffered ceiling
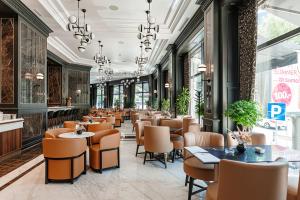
x,y
114,22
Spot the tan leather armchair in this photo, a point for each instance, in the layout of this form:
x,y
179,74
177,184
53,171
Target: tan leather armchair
x,y
111,120
134,118
157,140
105,150
139,134
99,127
242,181
54,133
70,125
293,191
65,159
186,122
176,137
195,169
194,128
118,119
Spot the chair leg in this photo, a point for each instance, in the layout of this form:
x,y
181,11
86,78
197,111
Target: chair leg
x,y
137,150
186,180
165,159
145,156
173,155
118,157
191,183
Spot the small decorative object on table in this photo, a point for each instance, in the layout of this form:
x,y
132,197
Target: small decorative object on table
x,y
242,138
80,129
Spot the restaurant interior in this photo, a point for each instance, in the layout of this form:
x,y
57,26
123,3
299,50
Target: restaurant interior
x,y
149,99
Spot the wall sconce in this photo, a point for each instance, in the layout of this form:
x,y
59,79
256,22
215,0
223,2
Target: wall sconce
x,y
155,91
78,92
167,85
202,68
39,76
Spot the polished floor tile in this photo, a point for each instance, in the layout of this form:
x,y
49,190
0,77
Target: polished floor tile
x,y
132,181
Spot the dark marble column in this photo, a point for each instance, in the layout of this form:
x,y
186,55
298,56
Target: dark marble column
x,y
159,85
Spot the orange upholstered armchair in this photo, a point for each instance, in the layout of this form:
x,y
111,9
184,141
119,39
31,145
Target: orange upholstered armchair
x,y
105,150
195,169
65,159
118,119
70,125
54,133
139,134
244,181
99,127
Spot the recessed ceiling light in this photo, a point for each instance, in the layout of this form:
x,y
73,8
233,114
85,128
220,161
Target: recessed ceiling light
x,y
113,7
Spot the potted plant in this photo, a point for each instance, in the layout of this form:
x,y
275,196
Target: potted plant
x,y
183,101
165,107
117,104
245,114
199,107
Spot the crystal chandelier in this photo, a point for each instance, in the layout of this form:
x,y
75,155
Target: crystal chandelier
x,y
149,32
99,58
141,60
82,32
127,82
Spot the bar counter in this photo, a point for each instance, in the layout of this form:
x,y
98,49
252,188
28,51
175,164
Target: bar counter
x,y
10,137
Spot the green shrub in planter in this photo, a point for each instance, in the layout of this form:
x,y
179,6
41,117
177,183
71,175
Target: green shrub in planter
x,y
245,114
182,102
165,105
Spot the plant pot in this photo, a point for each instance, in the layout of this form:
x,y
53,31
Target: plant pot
x,y
241,148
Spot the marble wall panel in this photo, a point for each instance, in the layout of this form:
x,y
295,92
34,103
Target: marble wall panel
x,y
7,60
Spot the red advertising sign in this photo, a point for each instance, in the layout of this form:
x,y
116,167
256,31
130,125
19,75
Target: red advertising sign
x,y
282,93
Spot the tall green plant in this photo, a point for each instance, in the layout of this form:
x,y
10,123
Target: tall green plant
x,y
165,105
117,103
182,101
245,113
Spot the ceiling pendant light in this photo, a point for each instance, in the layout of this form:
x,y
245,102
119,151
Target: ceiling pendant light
x,y
82,32
150,31
141,60
99,58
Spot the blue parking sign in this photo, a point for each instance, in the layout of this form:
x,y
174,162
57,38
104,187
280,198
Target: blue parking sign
x,y
276,111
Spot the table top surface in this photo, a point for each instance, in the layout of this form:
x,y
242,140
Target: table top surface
x,y
172,130
271,154
74,135
88,123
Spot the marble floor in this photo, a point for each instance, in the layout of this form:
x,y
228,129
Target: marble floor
x,y
132,181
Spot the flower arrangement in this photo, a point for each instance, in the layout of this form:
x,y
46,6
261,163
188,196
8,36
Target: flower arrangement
x,y
241,137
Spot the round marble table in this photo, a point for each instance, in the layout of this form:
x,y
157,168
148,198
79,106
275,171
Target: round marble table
x,y
72,135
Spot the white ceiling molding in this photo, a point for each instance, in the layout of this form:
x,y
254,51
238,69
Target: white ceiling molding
x,y
116,29
56,9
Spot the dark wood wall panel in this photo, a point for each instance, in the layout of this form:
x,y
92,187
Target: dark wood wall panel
x,y
34,127
54,85
10,141
7,61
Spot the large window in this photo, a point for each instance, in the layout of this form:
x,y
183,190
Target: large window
x,y
278,70
100,97
141,95
118,95
196,58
